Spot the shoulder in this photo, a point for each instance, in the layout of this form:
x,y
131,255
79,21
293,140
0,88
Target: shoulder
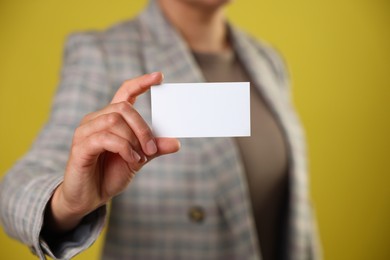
x,y
120,33
94,47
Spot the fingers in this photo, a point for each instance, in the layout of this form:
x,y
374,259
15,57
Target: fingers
x,y
91,147
132,88
135,122
167,145
113,123
119,128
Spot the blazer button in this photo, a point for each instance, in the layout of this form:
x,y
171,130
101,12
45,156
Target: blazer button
x,y
196,214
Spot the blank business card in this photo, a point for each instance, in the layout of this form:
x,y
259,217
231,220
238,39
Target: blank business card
x,y
201,109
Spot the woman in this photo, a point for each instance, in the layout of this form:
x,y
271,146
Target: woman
x,y
216,198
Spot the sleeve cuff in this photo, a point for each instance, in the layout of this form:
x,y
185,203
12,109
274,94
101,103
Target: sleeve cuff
x,y
78,240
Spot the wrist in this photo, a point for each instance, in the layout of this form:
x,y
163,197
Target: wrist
x,y
59,217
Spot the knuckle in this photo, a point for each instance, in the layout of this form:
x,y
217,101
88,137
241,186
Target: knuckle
x,y
124,146
77,131
113,118
86,118
145,132
127,82
100,138
77,135
76,149
123,106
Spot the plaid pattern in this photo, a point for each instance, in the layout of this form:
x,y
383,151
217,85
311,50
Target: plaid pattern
x,y
150,219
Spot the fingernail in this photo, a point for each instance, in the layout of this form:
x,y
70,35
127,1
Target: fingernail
x,y
151,147
155,74
136,156
144,159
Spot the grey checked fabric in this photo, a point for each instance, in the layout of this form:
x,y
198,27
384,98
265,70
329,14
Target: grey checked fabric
x,y
150,219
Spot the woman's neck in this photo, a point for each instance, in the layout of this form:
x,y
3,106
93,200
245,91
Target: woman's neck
x,y
203,28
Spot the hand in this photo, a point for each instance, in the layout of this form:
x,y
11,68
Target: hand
x,y
108,148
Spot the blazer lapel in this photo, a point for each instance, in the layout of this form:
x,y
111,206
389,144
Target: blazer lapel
x,y
260,67
164,50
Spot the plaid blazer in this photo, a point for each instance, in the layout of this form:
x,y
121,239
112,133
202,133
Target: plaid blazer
x,y
150,220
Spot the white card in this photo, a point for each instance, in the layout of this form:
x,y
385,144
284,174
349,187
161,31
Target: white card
x,y
201,109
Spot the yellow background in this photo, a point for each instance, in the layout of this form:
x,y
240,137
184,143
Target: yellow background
x,y
339,55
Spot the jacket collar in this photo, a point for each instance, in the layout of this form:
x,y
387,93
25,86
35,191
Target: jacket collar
x,y
164,49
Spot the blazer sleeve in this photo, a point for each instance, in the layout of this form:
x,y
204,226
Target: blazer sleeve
x,y
29,185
